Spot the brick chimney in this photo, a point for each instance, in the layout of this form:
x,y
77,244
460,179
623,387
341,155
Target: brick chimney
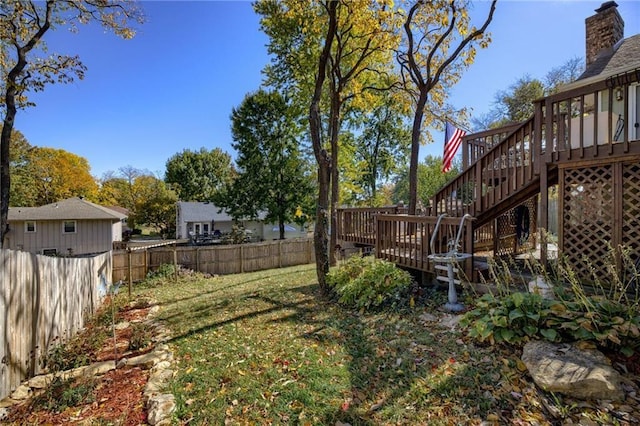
x,y
604,30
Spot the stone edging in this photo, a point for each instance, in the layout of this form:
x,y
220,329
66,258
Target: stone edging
x,y
160,406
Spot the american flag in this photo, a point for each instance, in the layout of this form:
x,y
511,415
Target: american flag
x,y
452,140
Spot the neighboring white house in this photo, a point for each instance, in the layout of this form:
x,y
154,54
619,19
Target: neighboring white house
x,y
69,227
198,218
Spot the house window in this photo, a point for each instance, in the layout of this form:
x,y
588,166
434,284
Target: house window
x,y
69,227
30,226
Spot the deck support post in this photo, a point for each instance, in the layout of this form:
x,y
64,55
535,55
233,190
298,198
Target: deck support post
x,y
544,208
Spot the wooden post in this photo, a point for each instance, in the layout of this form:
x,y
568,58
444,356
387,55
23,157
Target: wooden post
x,y
241,259
198,259
175,261
279,253
146,262
544,213
130,271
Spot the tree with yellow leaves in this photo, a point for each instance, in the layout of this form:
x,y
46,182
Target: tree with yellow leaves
x,y
335,53
439,43
26,65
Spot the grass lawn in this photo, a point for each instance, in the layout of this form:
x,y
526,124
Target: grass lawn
x,y
265,348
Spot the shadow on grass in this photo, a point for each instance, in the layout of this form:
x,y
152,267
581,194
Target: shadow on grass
x,y
223,287
208,311
386,373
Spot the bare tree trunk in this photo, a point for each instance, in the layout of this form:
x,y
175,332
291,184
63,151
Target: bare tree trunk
x,y
335,173
320,235
415,153
5,179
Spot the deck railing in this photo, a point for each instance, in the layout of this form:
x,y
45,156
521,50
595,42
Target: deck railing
x,y
405,239
595,121
357,224
476,145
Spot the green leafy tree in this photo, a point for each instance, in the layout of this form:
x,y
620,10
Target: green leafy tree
x,y
22,180
328,54
380,149
27,66
430,180
516,103
272,177
199,175
128,188
155,205
439,43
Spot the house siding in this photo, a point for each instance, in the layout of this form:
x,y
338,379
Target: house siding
x,y
91,236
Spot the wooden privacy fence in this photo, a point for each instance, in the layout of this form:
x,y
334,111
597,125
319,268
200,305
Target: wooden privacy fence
x,y
42,298
215,259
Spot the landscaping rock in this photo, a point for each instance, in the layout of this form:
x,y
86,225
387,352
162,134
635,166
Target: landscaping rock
x,y
22,392
99,368
40,382
8,402
565,368
122,325
160,408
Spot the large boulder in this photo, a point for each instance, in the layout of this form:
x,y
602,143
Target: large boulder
x,y
565,368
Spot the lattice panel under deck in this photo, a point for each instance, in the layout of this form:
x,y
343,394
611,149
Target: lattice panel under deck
x,y
512,242
587,218
631,208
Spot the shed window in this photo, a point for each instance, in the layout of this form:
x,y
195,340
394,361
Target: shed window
x,y
69,227
30,226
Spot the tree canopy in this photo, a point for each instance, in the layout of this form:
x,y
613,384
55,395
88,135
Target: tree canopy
x,y
272,176
148,198
439,43
430,180
199,175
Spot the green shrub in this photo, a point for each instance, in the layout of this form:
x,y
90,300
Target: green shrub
x,y
366,282
141,334
76,352
64,393
166,270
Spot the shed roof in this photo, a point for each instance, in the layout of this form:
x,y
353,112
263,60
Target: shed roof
x,y
70,209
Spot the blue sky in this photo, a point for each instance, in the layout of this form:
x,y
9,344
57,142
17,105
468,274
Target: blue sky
x,y
174,85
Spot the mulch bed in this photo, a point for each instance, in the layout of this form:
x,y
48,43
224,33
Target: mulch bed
x,y
117,398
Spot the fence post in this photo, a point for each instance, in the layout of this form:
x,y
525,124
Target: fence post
x,y
241,259
130,271
198,259
146,261
279,253
175,261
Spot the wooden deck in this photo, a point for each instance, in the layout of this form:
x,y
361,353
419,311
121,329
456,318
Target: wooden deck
x,y
577,141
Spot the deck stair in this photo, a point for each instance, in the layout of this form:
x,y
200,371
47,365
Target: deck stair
x,y
496,179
